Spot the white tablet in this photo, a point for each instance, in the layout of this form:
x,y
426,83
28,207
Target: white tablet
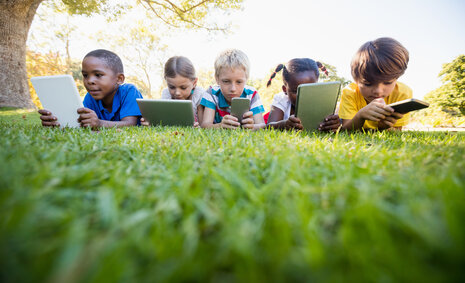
x,y
167,112
315,102
59,95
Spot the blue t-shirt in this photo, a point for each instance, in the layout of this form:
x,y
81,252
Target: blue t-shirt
x,y
124,104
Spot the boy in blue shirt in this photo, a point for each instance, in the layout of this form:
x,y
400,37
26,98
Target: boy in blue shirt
x,y
108,102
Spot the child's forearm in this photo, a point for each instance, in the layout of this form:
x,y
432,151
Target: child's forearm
x,y
210,125
353,124
118,124
281,125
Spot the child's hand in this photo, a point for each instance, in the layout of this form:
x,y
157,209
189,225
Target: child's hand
x,y
196,125
331,123
88,118
229,122
376,110
144,122
293,123
247,120
48,120
389,121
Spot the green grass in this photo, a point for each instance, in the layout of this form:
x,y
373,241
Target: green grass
x,y
177,204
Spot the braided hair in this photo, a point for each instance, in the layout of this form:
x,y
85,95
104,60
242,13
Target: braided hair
x,y
298,65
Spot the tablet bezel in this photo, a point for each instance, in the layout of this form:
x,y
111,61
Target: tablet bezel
x,y
167,112
315,101
59,95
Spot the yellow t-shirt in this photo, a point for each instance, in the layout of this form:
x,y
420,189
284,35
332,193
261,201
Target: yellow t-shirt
x,y
352,101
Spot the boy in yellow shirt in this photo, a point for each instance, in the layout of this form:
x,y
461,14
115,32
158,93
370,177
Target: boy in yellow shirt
x,y
375,68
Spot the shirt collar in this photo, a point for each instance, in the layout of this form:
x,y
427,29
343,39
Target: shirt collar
x,y
222,103
115,106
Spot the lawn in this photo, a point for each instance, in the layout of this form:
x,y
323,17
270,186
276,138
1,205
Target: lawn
x,y
176,204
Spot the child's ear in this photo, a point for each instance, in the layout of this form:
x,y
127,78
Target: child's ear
x,y
285,89
120,79
194,82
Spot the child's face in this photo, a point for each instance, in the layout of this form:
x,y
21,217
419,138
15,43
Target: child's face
x,y
232,82
99,80
290,87
372,91
180,87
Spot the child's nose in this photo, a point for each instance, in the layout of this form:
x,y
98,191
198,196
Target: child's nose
x,y
378,89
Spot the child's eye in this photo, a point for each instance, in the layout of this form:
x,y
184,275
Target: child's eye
x,y
226,82
183,87
171,87
366,84
84,75
98,75
388,83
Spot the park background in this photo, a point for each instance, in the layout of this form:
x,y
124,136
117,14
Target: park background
x,y
270,33
172,204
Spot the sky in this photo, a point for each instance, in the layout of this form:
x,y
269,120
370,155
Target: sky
x,y
274,31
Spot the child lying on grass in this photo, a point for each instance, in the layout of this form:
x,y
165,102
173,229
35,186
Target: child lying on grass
x,y
375,68
296,72
109,102
231,74
180,77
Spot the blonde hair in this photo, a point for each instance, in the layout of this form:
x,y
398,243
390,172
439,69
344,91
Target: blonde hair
x,y
232,58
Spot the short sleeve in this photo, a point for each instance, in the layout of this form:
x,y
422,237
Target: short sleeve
x,y
129,105
197,96
208,99
281,101
256,105
348,105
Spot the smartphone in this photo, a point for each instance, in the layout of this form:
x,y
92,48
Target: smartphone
x,y
239,105
408,105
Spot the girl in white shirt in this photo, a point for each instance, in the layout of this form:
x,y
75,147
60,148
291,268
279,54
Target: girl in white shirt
x,y
296,72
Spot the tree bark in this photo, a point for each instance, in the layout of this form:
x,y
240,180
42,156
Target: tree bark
x,y
15,20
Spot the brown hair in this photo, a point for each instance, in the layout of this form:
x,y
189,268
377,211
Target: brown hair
x,y
381,60
179,65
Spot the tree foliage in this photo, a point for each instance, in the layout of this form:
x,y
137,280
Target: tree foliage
x,y
51,64
190,14
451,95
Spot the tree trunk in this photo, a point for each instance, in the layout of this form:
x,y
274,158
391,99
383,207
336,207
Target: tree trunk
x,y
15,21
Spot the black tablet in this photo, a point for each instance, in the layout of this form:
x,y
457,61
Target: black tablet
x,y
408,105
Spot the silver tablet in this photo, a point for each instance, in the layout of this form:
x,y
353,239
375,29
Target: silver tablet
x,y
167,112
59,95
315,102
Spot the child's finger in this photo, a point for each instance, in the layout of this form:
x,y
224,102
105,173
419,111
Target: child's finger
x,y
50,124
247,114
294,119
230,117
397,115
83,110
247,121
48,118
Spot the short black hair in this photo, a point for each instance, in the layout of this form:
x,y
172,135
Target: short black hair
x,y
111,59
